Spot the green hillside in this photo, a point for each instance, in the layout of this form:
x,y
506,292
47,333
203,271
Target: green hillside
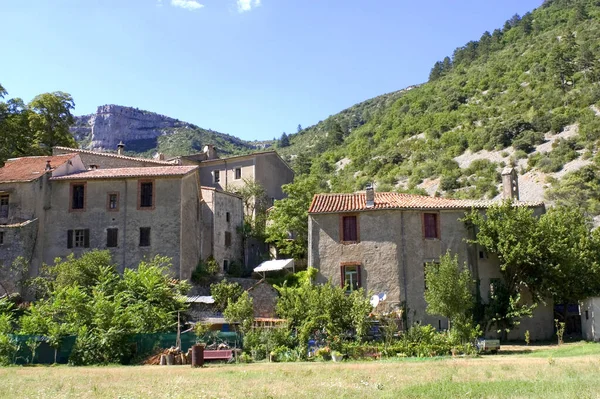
x,y
524,95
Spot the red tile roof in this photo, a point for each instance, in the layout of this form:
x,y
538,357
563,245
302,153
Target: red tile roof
x,y
111,155
119,173
355,202
30,168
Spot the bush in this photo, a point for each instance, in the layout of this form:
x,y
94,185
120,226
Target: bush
x,y
205,270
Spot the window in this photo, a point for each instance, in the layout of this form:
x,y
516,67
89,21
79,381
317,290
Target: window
x,y
226,265
227,217
227,239
112,202
144,236
146,194
112,238
587,315
1,238
78,197
430,225
4,206
238,173
78,238
216,176
349,229
483,255
351,276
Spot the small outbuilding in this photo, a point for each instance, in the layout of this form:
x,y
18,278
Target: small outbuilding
x,y
590,324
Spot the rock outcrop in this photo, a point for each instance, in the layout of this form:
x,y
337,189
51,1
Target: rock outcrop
x,y
113,123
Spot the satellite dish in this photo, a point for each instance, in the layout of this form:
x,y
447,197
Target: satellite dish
x,y
382,296
374,300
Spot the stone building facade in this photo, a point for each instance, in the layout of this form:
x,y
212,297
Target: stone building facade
x,y
222,218
52,206
382,245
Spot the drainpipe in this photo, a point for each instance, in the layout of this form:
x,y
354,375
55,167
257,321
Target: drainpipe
x,y
403,257
125,227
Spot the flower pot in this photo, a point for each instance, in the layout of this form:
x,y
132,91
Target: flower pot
x,y
337,357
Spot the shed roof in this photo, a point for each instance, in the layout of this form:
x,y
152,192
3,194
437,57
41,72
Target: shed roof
x,y
119,173
356,202
27,169
274,265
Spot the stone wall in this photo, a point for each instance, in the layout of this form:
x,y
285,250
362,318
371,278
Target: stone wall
x,y
164,220
108,160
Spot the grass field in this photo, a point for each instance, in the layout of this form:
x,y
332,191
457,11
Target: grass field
x,y
571,371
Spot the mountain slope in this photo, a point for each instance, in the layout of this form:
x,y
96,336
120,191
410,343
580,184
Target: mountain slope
x,y
145,133
525,95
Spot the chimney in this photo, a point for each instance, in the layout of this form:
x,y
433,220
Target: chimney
x,y
210,151
510,184
48,166
120,147
370,196
161,156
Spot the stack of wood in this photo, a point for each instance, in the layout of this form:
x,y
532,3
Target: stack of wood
x,y
169,357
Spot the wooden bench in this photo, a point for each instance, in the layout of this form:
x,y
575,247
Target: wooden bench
x,y
218,354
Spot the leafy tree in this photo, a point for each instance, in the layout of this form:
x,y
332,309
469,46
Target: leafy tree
x,y
32,129
449,289
299,129
309,308
104,309
511,233
284,140
562,61
50,120
240,311
288,220
224,291
571,255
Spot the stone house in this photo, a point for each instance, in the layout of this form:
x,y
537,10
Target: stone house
x,y
25,196
56,206
228,174
222,219
382,241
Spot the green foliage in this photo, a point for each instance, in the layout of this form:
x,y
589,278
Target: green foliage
x,y
287,226
224,291
32,129
449,290
205,270
309,308
240,311
554,255
88,298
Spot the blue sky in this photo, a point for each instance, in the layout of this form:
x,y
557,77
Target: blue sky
x,y
251,68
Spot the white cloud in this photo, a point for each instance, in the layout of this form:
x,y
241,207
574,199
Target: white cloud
x,y
247,5
187,4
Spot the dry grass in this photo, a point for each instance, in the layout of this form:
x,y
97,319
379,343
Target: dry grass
x,y
568,372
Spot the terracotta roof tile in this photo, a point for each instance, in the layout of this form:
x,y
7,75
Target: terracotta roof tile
x,y
116,173
30,168
111,155
355,202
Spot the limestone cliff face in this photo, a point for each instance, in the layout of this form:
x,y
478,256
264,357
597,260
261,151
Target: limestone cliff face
x,y
113,123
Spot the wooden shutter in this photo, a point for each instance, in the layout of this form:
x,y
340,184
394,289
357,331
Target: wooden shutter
x,y
349,228
69,238
112,238
86,238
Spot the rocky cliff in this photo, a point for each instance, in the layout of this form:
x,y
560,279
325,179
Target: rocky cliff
x,y
147,132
